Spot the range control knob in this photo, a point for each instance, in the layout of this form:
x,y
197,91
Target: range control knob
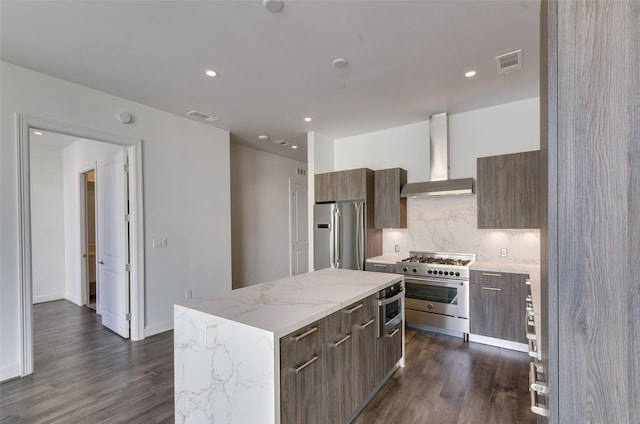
x,y
415,270
405,269
440,272
446,273
457,274
429,272
430,306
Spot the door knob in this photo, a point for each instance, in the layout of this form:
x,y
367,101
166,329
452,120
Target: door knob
x,y
101,262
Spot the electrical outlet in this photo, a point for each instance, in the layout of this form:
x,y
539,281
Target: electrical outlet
x,y
397,248
503,252
188,294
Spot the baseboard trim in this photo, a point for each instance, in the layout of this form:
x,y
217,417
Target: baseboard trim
x,y
48,298
505,344
75,300
12,371
158,328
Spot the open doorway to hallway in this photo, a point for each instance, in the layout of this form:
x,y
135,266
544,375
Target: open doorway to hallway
x,y
89,239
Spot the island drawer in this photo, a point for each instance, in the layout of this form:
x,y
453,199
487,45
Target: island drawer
x,y
300,346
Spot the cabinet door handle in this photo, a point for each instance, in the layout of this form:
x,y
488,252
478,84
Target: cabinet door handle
x,y
492,288
534,384
527,282
355,308
306,364
368,323
342,340
491,274
393,333
533,348
305,334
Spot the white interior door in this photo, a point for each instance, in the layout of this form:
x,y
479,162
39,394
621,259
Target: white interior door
x,y
113,243
299,234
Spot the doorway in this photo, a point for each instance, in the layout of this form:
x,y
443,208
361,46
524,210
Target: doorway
x,y
298,232
89,239
131,150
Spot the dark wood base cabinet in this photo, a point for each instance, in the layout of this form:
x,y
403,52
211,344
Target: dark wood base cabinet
x,y
496,308
329,369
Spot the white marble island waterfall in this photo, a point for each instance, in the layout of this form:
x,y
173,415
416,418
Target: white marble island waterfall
x,y
227,359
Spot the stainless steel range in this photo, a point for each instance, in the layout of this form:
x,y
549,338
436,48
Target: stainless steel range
x,y
437,289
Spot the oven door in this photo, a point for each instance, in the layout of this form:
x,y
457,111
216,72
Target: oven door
x,y
438,297
389,312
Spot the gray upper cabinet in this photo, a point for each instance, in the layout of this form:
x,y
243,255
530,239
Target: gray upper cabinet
x,y
343,185
508,190
391,209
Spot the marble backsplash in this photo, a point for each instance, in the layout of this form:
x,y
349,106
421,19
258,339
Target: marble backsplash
x,y
449,224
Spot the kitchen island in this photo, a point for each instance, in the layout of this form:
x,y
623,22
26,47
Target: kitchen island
x,y
228,365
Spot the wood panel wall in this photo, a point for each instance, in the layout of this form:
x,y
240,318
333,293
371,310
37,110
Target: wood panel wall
x,y
592,273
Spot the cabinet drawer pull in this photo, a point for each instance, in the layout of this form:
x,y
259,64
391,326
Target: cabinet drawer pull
x,y
492,288
306,364
305,334
342,340
533,348
534,384
379,265
393,333
535,408
368,323
355,308
491,274
527,282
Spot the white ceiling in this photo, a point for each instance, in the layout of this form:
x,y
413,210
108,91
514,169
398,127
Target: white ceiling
x,y
407,59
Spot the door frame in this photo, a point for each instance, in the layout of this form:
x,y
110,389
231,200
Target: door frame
x,y
82,172
136,237
301,182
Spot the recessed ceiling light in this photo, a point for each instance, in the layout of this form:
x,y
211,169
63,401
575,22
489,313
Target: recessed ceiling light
x,y
294,147
273,5
263,137
307,119
211,73
340,63
470,74
37,132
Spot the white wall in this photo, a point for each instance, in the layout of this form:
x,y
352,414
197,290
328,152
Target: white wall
x,y
78,158
507,128
47,223
260,214
450,224
186,195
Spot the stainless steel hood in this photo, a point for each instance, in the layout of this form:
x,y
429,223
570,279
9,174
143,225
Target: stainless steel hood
x,y
440,184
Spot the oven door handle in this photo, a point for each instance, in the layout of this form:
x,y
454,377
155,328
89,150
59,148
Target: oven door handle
x,y
386,301
432,282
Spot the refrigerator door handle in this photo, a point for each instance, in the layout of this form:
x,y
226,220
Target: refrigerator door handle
x,y
338,238
332,238
360,235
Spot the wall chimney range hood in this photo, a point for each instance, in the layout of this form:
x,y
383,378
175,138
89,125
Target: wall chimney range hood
x,y
440,184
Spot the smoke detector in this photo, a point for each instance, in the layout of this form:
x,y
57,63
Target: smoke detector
x,y
509,62
201,115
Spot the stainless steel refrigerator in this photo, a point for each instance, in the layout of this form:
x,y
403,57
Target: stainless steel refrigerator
x,y
339,235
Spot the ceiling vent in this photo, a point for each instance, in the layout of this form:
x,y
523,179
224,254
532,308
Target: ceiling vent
x,y
509,62
201,115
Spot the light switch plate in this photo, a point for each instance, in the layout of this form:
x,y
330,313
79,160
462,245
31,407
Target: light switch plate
x,y
503,252
397,248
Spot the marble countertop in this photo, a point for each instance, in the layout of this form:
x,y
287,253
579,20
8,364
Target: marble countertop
x,y
386,259
285,305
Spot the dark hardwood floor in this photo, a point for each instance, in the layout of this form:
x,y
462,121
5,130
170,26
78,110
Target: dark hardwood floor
x,y
84,373
447,381
87,374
